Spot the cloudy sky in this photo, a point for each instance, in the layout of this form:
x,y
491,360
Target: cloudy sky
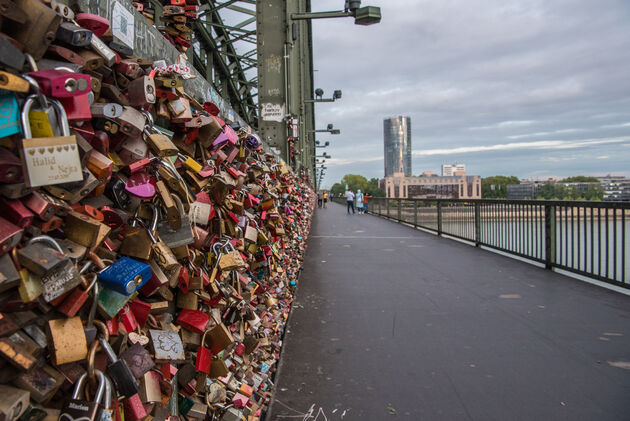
x,y
532,88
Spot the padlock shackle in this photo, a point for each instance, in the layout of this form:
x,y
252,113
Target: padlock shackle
x,y
48,240
62,118
43,101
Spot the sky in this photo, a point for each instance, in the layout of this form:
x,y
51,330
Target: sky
x,y
530,88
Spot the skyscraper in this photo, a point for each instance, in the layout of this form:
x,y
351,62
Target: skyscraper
x,y
397,140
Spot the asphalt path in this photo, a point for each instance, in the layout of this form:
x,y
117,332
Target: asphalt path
x,y
394,323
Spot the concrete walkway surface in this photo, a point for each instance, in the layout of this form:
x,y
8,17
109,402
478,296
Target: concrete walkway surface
x,y
394,323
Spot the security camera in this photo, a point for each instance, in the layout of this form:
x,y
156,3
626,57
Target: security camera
x,y
330,126
337,94
319,93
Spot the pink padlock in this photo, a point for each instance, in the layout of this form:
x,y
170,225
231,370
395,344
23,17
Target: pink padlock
x,y
140,185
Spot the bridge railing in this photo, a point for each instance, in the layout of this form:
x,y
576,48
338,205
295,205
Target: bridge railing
x,y
587,238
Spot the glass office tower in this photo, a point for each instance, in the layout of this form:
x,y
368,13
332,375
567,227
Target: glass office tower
x,y
397,136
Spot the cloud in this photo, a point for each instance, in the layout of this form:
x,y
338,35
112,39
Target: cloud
x,y
480,79
543,144
504,124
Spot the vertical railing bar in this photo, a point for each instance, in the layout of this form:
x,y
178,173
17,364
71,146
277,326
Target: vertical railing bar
x,y
607,241
572,238
623,245
579,239
614,244
565,246
586,240
592,241
599,241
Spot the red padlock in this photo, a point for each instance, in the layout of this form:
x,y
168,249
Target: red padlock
x,y
184,280
77,107
204,356
95,23
240,350
193,320
140,310
127,318
62,83
100,141
134,409
73,303
40,205
15,212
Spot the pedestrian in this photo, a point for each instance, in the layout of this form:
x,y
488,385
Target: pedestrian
x,y
359,201
325,199
350,200
319,198
366,199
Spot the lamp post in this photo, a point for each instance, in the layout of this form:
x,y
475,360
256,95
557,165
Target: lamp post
x,y
319,93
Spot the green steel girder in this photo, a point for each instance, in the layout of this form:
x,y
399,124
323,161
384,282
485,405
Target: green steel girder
x,y
220,62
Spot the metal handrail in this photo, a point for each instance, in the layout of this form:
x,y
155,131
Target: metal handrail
x,y
584,237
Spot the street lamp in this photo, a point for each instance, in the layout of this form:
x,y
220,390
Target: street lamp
x,y
319,93
328,129
367,15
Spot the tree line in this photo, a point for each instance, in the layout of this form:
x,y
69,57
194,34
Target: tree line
x,y
494,187
355,182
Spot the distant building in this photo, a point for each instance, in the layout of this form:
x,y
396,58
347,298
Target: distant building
x,y
616,188
429,186
449,170
397,143
527,190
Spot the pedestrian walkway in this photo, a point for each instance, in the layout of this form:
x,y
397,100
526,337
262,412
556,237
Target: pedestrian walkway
x,y
394,323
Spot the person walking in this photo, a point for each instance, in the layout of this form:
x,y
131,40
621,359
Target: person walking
x,y
358,198
350,200
319,198
325,199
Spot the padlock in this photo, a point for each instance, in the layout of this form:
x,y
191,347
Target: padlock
x,y
68,341
121,49
141,91
49,160
136,241
131,121
10,167
167,346
118,370
73,34
114,94
138,359
125,276
182,236
13,403
15,212
38,31
109,57
95,23
73,303
194,320
159,143
171,208
62,83
150,387
78,408
85,230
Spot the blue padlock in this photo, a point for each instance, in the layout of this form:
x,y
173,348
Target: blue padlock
x,y
10,122
125,275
